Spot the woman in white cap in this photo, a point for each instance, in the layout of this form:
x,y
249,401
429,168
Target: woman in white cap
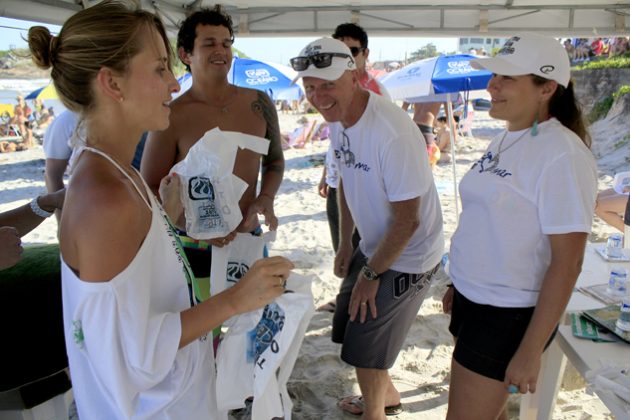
x,y
527,210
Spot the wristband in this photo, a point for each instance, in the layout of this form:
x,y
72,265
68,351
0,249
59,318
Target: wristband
x,y
38,210
267,195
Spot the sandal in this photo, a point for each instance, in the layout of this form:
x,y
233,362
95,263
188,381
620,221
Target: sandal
x,y
354,405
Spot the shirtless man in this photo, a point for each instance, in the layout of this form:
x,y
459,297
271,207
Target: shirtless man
x,y
424,115
204,45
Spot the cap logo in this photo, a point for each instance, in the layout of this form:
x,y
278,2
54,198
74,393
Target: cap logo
x,y
508,47
312,49
547,69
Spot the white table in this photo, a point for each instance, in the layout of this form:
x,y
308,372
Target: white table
x,y
583,354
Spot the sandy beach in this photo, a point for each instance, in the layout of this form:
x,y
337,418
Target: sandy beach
x,y
320,378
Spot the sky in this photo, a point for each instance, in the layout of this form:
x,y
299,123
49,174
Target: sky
x,y
276,50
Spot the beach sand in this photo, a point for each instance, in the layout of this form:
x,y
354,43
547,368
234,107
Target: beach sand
x,y
320,378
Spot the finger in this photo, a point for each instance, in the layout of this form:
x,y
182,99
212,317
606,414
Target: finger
x,y
217,242
275,266
273,223
353,309
532,386
372,305
523,388
363,307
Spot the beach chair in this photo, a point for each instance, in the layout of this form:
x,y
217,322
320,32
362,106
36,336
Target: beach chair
x,y
464,128
301,136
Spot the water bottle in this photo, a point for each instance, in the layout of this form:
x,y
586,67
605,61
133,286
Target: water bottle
x,y
617,281
623,323
614,246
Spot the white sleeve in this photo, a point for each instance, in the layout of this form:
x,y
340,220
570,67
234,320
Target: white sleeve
x,y
566,194
403,167
131,349
56,139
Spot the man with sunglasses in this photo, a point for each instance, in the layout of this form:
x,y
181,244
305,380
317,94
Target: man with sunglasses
x,y
386,188
355,37
204,45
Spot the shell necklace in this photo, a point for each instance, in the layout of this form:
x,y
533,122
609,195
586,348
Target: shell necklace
x,y
494,162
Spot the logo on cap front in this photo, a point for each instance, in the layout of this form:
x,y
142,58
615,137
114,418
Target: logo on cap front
x,y
313,49
547,69
508,47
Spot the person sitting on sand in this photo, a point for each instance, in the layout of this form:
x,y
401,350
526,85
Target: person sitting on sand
x,y
18,222
136,339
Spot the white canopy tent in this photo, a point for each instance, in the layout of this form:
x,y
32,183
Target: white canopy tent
x,y
488,18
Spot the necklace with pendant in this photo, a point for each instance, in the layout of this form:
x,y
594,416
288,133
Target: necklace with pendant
x,y
494,162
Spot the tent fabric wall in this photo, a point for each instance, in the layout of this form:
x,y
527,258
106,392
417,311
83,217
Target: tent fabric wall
x,y
397,17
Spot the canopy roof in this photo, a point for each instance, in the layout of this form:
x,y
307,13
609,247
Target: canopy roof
x,y
379,17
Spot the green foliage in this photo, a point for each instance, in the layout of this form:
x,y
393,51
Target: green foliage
x,y
427,51
618,62
600,109
623,90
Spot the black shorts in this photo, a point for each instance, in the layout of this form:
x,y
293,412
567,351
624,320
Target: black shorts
x,y
375,344
487,336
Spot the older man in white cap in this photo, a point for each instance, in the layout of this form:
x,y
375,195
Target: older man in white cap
x,y
387,190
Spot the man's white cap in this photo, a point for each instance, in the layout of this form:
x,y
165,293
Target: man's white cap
x,y
338,65
529,54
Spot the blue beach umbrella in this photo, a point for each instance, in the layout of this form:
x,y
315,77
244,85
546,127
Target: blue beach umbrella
x,y
274,79
437,79
429,80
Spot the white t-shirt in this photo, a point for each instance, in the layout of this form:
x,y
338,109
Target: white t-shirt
x,y
58,135
390,165
122,338
543,185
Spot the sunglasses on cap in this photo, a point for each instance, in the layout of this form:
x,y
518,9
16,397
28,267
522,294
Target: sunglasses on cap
x,y
320,61
356,50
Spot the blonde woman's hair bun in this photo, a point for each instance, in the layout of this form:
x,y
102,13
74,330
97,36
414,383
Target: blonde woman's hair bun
x,y
43,46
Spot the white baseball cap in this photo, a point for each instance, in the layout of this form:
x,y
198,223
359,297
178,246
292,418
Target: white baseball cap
x,y
340,60
529,53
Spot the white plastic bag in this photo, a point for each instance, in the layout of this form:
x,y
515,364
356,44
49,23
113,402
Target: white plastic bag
x,y
231,262
210,191
256,359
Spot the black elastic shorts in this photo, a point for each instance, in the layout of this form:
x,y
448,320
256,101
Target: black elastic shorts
x,y
487,336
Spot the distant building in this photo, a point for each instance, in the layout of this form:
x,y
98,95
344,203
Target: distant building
x,y
479,44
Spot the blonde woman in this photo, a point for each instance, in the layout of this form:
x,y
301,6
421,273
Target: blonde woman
x,y
136,345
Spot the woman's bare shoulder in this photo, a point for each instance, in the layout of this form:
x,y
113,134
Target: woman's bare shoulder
x,y
103,224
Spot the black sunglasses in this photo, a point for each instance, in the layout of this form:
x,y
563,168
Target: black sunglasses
x,y
356,50
320,61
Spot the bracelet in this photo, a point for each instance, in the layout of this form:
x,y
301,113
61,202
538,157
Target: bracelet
x,y
38,210
267,195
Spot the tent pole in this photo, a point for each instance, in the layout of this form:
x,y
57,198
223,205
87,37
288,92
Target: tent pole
x,y
450,118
